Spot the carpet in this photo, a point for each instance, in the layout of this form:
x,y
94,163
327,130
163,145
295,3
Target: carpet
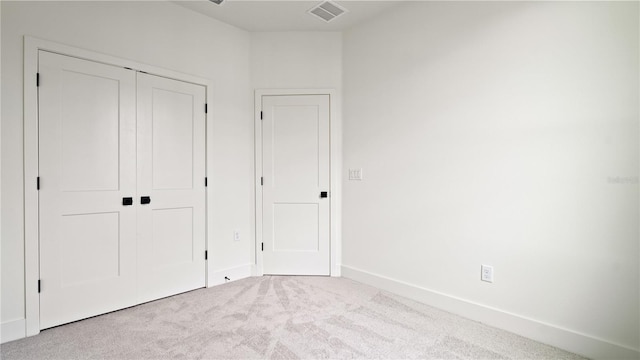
x,y
280,317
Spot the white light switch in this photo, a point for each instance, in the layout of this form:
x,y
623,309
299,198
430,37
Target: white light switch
x,y
355,174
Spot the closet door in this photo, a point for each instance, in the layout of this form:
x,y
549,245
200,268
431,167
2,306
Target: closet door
x,y
171,176
87,165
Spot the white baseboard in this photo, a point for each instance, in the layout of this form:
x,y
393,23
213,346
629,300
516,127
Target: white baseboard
x,y
12,330
566,339
233,274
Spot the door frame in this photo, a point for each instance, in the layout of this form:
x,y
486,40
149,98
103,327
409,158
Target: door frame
x,y
335,171
32,46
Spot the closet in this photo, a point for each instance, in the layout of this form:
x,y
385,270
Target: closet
x,y
121,187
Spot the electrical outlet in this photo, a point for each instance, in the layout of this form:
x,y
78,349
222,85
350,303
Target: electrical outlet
x,y
486,273
236,235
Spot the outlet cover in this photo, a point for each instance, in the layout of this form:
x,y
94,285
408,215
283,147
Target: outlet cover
x,y
486,273
236,235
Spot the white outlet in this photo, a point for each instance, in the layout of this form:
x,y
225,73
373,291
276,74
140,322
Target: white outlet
x,y
355,174
236,235
486,273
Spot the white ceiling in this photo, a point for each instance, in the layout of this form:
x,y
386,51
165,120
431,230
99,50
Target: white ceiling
x,y
267,15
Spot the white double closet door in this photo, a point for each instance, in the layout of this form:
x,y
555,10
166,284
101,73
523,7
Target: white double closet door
x,y
122,197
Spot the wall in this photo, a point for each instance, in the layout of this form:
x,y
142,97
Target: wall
x,y
306,60
500,133
303,60
159,34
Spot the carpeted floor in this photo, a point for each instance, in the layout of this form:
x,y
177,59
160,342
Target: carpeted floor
x,y
280,317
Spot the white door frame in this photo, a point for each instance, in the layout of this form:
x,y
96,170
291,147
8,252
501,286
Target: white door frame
x,y
31,222
335,171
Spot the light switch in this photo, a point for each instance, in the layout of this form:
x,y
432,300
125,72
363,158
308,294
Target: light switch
x,y
355,174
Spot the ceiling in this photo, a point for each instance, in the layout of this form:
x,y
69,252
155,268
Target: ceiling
x,y
267,15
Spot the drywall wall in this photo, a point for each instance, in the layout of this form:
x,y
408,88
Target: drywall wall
x,y
296,60
499,133
161,34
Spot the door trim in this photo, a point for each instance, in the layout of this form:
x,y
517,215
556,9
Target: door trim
x,y
335,172
31,163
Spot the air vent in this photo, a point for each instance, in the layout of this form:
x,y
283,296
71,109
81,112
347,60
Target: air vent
x,y
327,11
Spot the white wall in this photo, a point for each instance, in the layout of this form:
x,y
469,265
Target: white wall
x,y
502,134
296,60
159,34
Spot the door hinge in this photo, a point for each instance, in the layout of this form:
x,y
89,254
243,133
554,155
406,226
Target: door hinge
x,y
262,246
205,182
261,181
39,287
38,183
205,108
260,115
37,79
206,255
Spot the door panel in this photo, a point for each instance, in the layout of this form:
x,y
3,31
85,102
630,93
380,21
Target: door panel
x,y
89,234
172,140
295,227
172,237
295,166
171,171
87,165
89,161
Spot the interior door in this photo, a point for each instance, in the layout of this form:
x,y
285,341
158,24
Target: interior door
x,y
171,186
295,190
87,131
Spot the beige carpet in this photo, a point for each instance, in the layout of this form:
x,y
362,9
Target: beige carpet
x,y
280,317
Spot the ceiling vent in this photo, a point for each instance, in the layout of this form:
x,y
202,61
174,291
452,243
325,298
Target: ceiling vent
x,y
327,11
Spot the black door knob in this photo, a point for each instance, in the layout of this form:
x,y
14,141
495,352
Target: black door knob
x,y
145,200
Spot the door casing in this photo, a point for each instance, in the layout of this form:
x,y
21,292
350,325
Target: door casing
x,y
335,160
31,163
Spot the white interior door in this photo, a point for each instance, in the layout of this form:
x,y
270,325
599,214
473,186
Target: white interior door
x,y
171,174
295,167
122,196
87,166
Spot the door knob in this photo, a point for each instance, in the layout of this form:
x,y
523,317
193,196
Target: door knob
x,y
145,200
324,194
126,201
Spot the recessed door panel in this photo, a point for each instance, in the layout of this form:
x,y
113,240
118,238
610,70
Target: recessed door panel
x,y
172,237
87,165
295,227
90,234
172,126
90,129
295,166
295,149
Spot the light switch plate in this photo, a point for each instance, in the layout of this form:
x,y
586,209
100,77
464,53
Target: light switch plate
x,y
355,174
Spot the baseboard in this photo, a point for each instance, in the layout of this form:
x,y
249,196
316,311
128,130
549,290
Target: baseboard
x,y
566,339
12,330
230,274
